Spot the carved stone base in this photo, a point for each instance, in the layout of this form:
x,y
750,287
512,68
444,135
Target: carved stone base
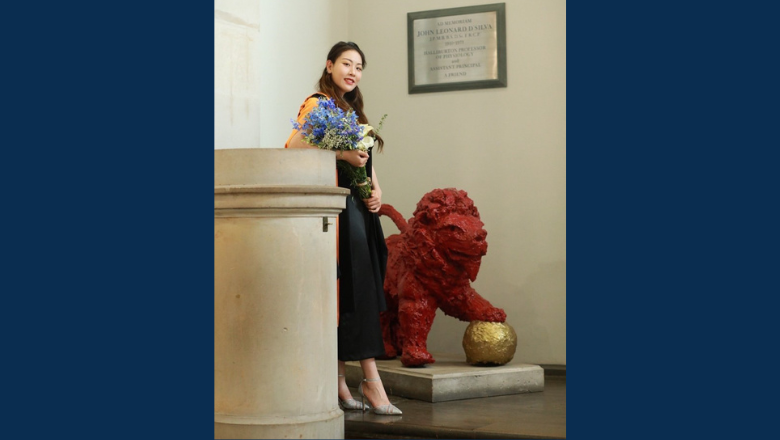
x,y
451,378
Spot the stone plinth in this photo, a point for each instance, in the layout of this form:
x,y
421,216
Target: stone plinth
x,y
451,378
275,352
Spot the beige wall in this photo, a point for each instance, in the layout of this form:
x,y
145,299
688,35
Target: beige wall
x,y
506,147
236,74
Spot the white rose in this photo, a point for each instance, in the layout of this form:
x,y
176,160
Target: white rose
x,y
367,141
366,129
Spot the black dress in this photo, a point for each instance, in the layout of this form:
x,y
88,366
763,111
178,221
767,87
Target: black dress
x,y
362,265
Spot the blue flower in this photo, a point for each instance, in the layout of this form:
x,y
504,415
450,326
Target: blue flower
x,y
328,127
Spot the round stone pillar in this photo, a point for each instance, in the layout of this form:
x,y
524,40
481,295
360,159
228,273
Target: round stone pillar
x,y
275,354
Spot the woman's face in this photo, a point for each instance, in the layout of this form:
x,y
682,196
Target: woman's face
x,y
346,71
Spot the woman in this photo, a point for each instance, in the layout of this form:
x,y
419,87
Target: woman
x,y
362,253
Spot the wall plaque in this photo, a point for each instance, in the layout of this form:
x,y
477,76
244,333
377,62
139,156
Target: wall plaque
x,y
457,48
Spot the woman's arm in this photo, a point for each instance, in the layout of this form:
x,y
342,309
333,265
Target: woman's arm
x,y
297,141
356,158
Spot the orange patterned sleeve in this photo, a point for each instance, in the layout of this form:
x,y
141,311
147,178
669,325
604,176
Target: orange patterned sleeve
x,y
306,107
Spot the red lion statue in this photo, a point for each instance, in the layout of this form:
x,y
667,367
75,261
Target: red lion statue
x,y
431,265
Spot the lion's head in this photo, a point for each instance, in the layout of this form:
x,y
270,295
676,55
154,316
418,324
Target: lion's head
x,y
449,222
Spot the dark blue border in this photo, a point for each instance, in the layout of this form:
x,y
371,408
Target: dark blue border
x,y
671,235
108,176
671,221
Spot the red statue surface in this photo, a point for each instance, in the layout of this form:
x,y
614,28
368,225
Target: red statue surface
x,y
431,265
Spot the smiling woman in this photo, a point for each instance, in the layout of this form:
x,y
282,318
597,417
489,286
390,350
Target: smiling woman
x,y
346,71
361,249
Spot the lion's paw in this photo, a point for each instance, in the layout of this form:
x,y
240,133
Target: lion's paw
x,y
416,358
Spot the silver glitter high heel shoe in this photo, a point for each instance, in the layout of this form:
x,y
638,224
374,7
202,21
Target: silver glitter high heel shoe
x,y
351,403
384,410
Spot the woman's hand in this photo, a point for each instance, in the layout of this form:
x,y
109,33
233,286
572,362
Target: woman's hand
x,y
356,158
375,201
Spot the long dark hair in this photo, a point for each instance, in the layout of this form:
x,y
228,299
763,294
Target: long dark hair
x,y
352,100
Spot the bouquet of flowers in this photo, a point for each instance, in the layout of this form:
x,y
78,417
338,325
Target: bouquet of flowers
x,y
328,127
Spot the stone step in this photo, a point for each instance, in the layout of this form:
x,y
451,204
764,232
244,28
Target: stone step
x,y
451,378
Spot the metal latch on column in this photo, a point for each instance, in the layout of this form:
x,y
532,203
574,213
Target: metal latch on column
x,y
325,224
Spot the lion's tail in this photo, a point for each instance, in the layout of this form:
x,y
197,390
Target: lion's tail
x,y
394,215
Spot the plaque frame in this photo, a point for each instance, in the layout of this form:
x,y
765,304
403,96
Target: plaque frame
x,y
500,53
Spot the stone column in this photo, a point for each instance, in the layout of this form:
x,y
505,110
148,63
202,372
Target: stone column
x,y
275,348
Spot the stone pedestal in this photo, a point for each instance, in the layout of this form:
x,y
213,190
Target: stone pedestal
x,y
451,378
275,353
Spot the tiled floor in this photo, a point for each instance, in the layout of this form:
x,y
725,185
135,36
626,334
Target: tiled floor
x,y
531,415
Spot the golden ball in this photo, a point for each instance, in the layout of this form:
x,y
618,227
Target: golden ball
x,y
489,343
